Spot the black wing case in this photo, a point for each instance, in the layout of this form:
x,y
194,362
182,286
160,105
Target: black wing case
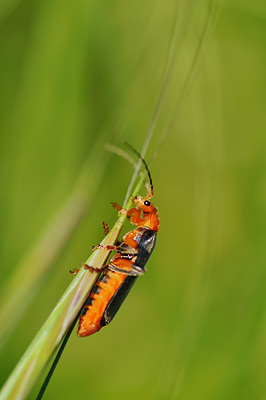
x,y
145,247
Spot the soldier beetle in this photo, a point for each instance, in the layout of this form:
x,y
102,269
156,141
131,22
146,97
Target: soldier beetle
x,y
125,266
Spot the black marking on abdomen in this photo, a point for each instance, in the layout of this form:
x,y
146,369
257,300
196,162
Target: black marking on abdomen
x,y
88,303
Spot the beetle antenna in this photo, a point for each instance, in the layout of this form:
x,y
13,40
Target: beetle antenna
x,y
144,163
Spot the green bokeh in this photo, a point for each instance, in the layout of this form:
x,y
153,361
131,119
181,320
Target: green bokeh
x,y
75,75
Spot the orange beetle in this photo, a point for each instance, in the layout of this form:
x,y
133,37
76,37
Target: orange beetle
x,y
127,264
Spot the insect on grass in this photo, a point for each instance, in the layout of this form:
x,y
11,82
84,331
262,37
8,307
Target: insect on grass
x,y
120,274
126,265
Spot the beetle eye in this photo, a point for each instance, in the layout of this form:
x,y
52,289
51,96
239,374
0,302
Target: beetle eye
x,y
147,203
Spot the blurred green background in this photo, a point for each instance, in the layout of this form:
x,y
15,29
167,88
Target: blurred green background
x,y
76,75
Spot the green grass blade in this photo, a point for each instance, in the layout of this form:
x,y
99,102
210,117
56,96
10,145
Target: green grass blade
x,y
43,346
50,335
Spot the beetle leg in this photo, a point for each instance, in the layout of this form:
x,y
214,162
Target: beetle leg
x,y
94,269
126,267
74,271
106,228
119,209
104,247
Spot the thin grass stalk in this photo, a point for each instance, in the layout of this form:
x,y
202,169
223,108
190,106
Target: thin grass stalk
x,y
45,343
